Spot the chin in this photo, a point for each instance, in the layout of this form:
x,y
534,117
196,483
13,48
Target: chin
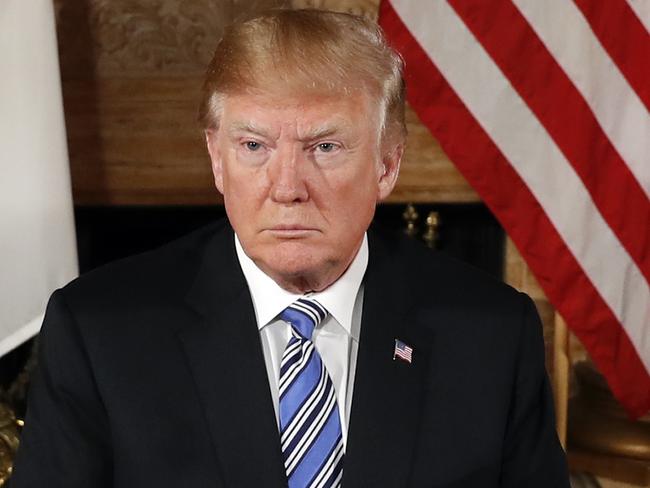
x,y
294,261
298,264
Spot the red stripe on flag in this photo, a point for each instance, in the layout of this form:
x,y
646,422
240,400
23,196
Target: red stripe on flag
x,y
508,38
503,191
624,38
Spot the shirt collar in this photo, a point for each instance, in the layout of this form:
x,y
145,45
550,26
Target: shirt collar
x,y
269,299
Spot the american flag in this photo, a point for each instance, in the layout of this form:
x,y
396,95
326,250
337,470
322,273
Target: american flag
x,y
403,351
543,106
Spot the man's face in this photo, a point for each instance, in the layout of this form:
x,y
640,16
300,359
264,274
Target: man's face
x,y
300,179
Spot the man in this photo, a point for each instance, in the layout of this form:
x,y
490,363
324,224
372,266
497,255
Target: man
x,y
297,350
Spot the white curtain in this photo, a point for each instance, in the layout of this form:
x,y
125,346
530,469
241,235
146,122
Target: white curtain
x,y
37,237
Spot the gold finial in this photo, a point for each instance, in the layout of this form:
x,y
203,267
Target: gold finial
x,y
411,216
430,236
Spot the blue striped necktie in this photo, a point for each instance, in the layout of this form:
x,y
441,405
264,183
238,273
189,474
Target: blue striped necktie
x,y
310,426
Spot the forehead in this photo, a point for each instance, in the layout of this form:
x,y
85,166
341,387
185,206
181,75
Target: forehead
x,y
271,111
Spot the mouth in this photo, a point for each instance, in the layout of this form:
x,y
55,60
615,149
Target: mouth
x,y
291,231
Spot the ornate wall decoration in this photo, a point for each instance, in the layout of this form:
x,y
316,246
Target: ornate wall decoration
x,y
148,36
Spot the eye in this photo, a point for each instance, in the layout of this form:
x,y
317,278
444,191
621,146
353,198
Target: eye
x,y
326,147
252,145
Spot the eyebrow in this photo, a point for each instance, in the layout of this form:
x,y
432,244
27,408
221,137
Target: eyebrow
x,y
247,127
311,134
319,133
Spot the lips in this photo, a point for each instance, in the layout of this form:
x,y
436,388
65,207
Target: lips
x,y
291,231
291,227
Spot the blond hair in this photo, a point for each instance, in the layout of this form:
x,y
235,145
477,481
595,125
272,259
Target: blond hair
x,y
305,51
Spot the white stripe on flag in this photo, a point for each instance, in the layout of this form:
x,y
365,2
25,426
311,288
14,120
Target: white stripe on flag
x,y
569,38
536,158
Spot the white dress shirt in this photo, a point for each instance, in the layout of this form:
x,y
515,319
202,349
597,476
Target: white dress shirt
x,y
336,338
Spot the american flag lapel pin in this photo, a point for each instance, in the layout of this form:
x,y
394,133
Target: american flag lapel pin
x,y
403,351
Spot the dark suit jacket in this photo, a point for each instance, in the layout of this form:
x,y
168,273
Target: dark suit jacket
x,y
152,374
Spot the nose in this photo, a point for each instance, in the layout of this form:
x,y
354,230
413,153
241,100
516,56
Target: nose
x,y
287,176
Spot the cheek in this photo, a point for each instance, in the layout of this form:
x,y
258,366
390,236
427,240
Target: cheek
x,y
361,188
242,183
354,199
244,194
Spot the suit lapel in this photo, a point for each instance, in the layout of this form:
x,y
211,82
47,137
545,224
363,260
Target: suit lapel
x,y
224,354
387,393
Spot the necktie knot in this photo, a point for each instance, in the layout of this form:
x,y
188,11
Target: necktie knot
x,y
304,315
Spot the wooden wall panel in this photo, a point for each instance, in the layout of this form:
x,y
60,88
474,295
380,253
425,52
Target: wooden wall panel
x,y
149,149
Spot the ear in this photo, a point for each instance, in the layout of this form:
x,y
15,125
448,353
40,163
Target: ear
x,y
389,170
215,157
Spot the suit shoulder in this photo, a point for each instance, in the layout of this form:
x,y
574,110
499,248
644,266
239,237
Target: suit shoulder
x,y
155,273
431,273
